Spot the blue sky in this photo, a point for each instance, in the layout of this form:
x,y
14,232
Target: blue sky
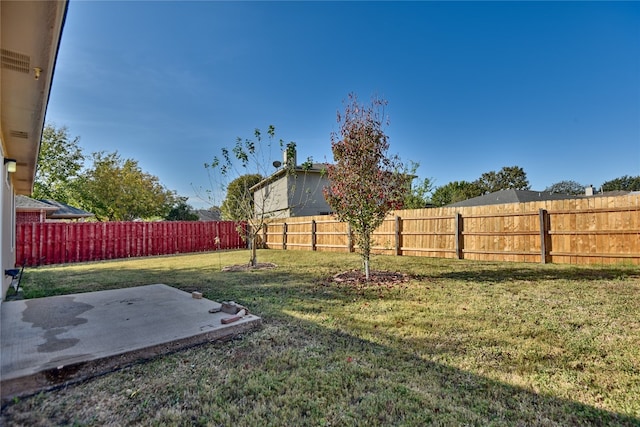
x,y
551,87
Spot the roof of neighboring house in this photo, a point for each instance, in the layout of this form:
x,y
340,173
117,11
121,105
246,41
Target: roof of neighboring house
x,y
54,210
27,204
313,168
65,211
523,196
615,193
207,215
513,196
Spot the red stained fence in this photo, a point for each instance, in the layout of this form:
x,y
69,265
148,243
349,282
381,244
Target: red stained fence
x,y
60,243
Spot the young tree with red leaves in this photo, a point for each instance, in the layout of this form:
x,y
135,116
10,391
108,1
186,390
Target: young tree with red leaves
x,y
365,183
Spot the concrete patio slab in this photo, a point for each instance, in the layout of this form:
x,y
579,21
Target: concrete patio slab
x,y
48,342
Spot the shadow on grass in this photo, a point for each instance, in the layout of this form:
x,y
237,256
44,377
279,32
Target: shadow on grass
x,y
413,391
506,272
368,382
427,388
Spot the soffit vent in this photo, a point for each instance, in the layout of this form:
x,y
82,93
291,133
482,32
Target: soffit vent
x,y
19,134
15,61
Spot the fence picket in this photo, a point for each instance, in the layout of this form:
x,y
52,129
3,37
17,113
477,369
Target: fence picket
x,y
576,231
58,242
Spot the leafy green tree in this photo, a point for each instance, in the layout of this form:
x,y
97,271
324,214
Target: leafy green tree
x,y
509,177
181,211
624,183
239,199
419,195
566,187
365,183
455,191
60,161
118,190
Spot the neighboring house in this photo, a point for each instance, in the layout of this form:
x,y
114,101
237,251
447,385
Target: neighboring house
x,y
31,32
512,196
29,210
590,191
524,196
65,212
288,193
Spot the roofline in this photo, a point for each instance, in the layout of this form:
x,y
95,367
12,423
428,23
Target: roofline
x,y
35,209
282,171
63,20
71,216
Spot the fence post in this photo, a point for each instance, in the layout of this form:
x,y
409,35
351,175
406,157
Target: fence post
x,y
459,236
313,234
349,238
284,235
398,235
544,233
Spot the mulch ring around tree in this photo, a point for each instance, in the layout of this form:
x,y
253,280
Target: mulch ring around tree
x,y
249,267
357,278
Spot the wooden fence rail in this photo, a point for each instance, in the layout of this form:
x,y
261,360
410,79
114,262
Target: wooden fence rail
x,y
59,242
577,231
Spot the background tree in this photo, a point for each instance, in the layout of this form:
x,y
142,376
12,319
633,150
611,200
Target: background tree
x,y
365,183
509,177
118,190
566,187
60,161
239,199
454,192
419,195
181,211
624,183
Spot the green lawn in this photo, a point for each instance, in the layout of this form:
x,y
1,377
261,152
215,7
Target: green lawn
x,y
462,343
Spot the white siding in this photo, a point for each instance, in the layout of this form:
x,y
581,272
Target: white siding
x,y
271,200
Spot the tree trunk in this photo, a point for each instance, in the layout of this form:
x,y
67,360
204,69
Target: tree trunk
x,y
254,253
366,252
251,239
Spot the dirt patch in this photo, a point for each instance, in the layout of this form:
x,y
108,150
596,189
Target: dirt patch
x,y
249,267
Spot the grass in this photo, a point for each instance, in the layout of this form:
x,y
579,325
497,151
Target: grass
x,y
462,343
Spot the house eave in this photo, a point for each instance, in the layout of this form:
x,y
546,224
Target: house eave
x,y
284,171
30,39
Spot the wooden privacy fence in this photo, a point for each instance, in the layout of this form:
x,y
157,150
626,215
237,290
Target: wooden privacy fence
x,y
59,242
575,231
